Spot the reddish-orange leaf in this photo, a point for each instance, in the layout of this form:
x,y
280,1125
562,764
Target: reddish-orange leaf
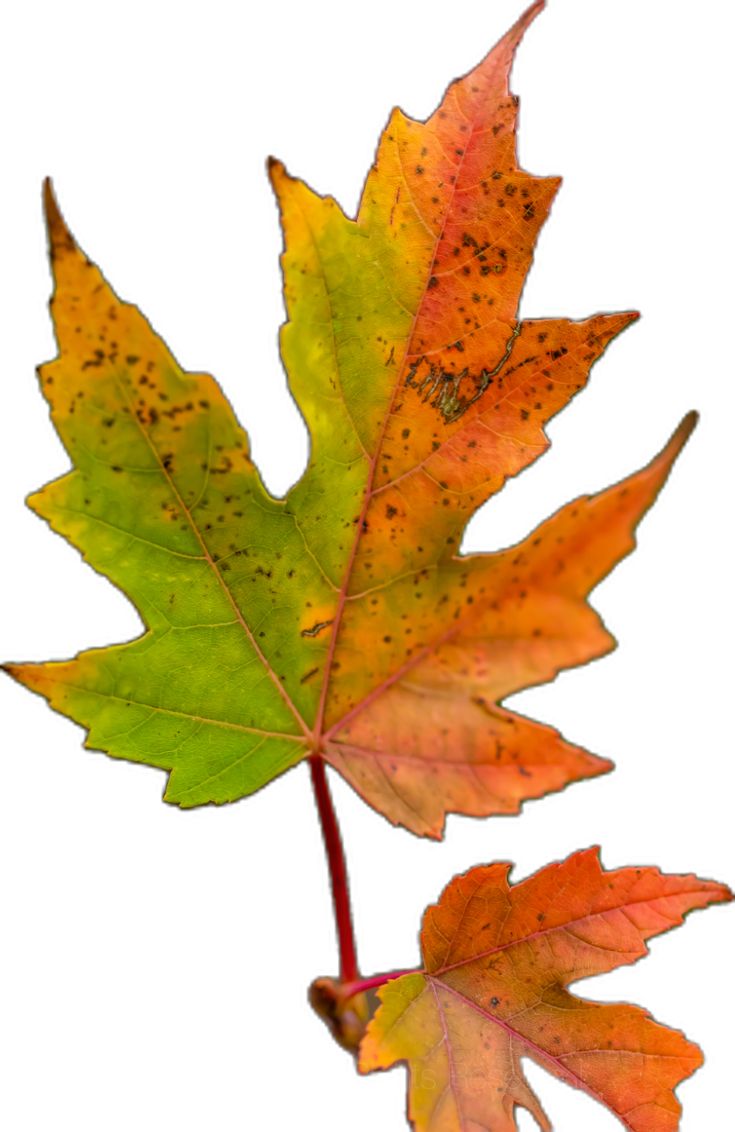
x,y
498,960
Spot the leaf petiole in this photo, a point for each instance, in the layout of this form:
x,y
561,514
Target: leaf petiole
x,y
360,986
337,871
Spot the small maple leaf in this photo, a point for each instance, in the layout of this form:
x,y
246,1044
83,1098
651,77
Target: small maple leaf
x,y
342,620
498,961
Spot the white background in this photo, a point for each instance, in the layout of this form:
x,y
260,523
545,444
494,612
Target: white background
x,y
153,962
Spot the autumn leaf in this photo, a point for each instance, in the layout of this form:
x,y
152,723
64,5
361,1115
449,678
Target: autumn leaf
x,y
342,620
497,963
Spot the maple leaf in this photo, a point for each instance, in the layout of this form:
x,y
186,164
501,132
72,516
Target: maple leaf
x,y
342,620
498,961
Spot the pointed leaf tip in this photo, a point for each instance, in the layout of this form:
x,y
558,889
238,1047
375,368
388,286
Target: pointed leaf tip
x,y
524,21
279,178
687,426
531,12
60,238
678,439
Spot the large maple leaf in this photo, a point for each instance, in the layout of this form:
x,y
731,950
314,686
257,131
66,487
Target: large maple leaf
x,y
498,961
342,620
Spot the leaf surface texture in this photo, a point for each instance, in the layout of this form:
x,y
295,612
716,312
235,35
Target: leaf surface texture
x,y
498,961
342,620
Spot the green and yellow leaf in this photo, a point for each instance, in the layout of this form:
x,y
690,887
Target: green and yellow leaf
x,y
343,620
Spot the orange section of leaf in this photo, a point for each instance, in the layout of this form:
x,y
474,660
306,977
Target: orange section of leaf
x,y
498,960
433,737
437,474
